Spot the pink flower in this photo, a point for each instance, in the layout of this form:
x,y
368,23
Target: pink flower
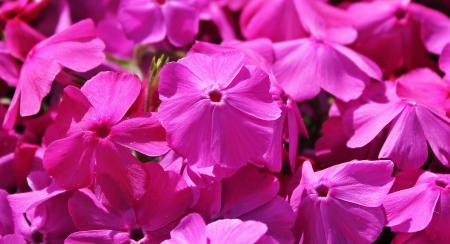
x,y
151,21
430,194
42,215
305,66
216,109
75,48
250,194
92,131
415,111
342,204
192,229
402,29
116,216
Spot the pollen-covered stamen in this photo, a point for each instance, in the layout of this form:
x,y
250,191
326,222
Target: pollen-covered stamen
x,y
441,183
136,233
102,130
215,96
322,190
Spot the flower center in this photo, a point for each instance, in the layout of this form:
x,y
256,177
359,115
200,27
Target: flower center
x,y
102,130
401,14
136,234
37,236
322,190
441,183
161,1
215,96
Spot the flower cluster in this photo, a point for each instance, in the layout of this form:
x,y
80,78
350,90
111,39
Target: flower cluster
x,y
224,121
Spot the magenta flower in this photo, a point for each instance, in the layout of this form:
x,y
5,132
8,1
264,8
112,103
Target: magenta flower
x,y
42,215
114,216
92,131
430,194
75,48
403,29
415,112
250,194
228,100
192,229
342,204
151,21
305,66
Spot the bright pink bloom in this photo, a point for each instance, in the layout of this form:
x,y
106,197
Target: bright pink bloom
x,y
151,21
250,194
444,60
192,229
75,48
42,215
342,204
415,111
228,101
305,66
403,30
92,131
430,195
116,215
283,20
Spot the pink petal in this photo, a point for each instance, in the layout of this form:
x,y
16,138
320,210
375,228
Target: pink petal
x,y
22,202
70,161
257,20
278,216
368,120
235,231
406,144
9,69
350,223
167,198
294,60
20,38
178,79
311,222
182,21
364,183
112,94
441,219
142,20
98,236
143,134
6,221
252,96
191,229
435,27
181,117
247,190
88,213
120,177
35,83
401,208
12,238
424,87
234,144
437,131
444,59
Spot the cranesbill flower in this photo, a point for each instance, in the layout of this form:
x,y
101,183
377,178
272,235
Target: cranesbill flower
x,y
192,229
216,109
415,112
92,131
430,194
342,204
